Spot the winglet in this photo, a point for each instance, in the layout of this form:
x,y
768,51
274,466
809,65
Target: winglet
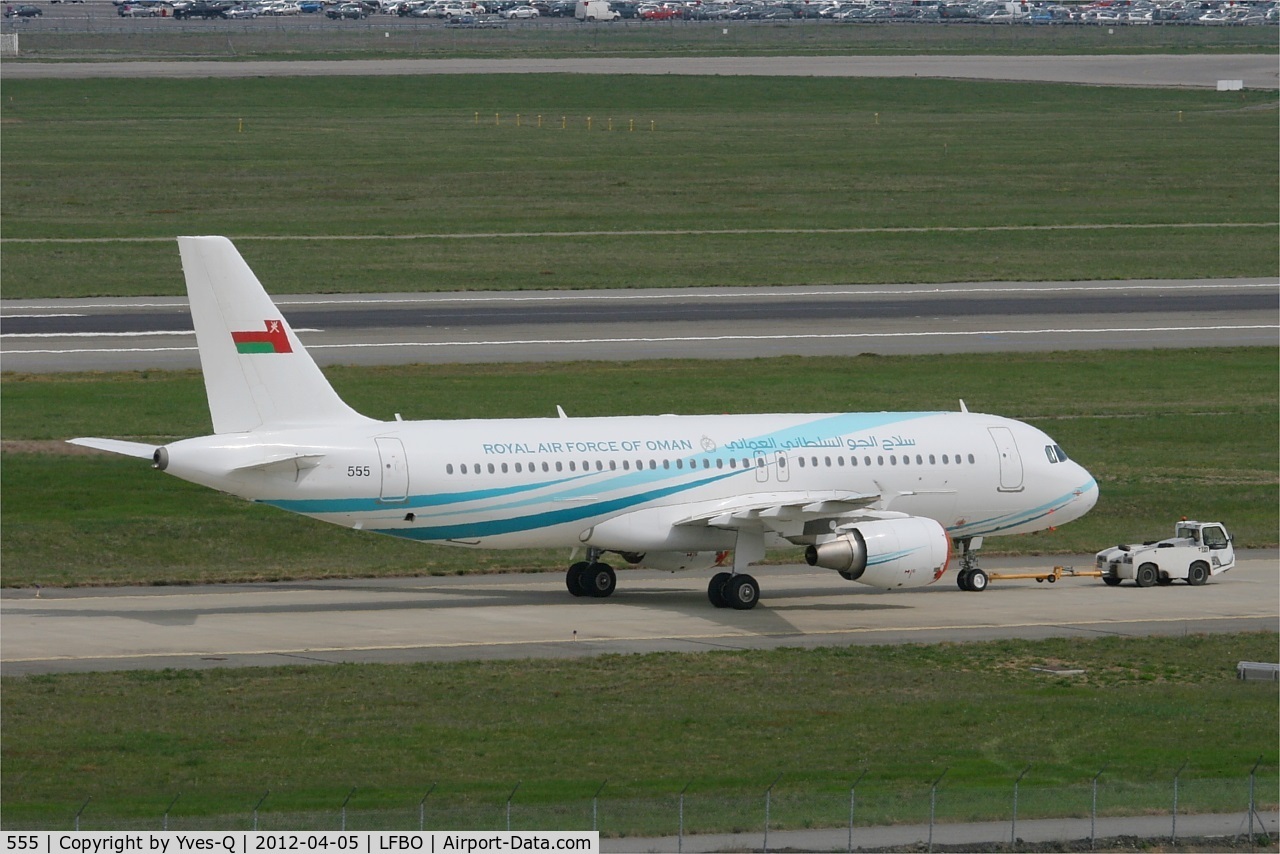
x,y
256,371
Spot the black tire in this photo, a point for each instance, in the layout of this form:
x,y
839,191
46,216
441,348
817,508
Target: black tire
x,y
742,592
715,589
1164,580
575,578
1198,573
962,579
977,581
600,580
1110,581
1147,574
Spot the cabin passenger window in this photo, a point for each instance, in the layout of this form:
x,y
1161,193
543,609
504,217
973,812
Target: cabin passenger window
x,y
517,468
559,466
879,461
613,465
448,469
828,461
463,468
853,461
945,459
801,461
504,468
840,461
971,459
932,461
490,468
719,463
653,464
866,461
919,460
893,459
546,467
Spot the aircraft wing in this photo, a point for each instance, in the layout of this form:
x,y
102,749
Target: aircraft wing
x,y
116,446
793,515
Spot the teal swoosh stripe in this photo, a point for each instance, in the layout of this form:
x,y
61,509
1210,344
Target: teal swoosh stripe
x,y
361,505
991,526
547,519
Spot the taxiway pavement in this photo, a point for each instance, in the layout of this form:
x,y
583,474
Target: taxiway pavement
x,y
704,323
533,616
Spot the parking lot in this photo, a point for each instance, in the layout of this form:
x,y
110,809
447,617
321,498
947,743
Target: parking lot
x,y
132,15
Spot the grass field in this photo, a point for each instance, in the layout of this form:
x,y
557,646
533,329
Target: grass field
x,y
1195,436
649,724
885,180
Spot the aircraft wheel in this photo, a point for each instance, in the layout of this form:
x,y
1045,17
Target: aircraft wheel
x,y
742,592
977,581
1147,574
1110,581
575,579
962,579
599,580
1198,573
716,591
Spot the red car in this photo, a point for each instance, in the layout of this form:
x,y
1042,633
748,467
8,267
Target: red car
x,y
659,13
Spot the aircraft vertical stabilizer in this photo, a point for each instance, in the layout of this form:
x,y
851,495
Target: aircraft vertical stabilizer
x,y
256,371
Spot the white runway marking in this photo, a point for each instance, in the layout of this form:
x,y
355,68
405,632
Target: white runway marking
x,y
677,232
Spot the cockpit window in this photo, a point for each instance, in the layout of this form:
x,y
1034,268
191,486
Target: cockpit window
x,y
1055,454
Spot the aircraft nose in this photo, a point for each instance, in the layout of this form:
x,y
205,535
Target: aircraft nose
x,y
1086,491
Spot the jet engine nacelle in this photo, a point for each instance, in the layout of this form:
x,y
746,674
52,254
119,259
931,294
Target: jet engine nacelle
x,y
887,553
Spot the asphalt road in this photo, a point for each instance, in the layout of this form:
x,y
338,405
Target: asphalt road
x,y
155,333
1190,70
532,615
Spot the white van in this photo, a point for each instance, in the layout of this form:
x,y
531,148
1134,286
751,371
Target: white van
x,y
595,10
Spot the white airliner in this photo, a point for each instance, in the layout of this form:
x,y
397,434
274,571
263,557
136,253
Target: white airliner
x,y
876,496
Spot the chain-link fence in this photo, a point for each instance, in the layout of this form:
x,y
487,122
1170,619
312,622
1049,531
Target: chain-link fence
x,y
779,808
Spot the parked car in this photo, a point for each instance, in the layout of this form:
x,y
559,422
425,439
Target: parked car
x,y
353,11
238,12
22,12
520,12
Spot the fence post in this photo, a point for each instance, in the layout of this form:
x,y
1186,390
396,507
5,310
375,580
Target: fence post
x,y
344,807
422,807
933,800
680,832
1173,832
258,804
595,803
169,808
1093,809
1013,832
509,797
767,794
86,803
1252,803
852,802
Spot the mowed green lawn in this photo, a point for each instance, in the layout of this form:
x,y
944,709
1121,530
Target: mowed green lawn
x,y
1194,435
724,723
722,181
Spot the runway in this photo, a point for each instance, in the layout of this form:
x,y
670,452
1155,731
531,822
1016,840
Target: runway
x,y
704,323
533,616
1184,70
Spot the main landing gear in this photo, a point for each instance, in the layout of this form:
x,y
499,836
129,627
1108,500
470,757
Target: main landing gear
x,y
593,578
971,577
590,577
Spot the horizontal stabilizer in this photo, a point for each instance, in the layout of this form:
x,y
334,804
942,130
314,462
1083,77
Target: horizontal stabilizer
x,y
283,462
115,446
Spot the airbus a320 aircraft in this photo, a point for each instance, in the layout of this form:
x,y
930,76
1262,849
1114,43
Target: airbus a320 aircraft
x,y
876,496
